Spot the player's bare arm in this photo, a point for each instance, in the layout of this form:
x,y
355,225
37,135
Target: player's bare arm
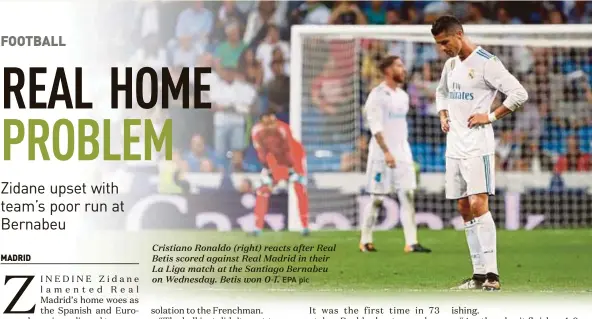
x,y
388,157
375,117
588,91
444,121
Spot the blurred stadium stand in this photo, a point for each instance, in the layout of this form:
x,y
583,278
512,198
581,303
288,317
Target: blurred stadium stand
x,y
238,40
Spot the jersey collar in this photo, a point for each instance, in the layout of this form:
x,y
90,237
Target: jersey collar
x,y
384,85
470,55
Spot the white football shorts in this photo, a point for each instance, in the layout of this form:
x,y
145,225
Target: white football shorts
x,y
470,176
383,180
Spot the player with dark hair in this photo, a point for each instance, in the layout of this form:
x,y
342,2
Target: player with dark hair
x,y
283,158
471,79
390,162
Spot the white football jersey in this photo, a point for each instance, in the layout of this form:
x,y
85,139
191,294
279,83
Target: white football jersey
x,y
386,111
469,87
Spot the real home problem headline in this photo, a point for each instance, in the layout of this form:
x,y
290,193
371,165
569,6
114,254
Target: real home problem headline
x,y
88,138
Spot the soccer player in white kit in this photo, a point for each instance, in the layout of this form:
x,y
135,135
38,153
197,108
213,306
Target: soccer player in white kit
x,y
471,79
390,162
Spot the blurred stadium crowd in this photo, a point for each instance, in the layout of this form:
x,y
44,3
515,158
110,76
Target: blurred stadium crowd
x,y
247,43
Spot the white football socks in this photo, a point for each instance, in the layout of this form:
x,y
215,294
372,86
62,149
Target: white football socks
x,y
370,216
487,238
407,213
471,229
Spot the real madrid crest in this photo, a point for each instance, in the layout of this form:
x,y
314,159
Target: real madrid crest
x,y
472,73
452,64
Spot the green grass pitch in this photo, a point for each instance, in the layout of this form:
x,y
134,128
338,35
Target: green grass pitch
x,y
529,261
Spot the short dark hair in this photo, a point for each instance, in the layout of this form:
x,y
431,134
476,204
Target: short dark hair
x,y
268,112
387,62
446,23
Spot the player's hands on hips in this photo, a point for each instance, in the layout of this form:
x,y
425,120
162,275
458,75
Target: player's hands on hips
x,y
444,124
390,160
478,119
